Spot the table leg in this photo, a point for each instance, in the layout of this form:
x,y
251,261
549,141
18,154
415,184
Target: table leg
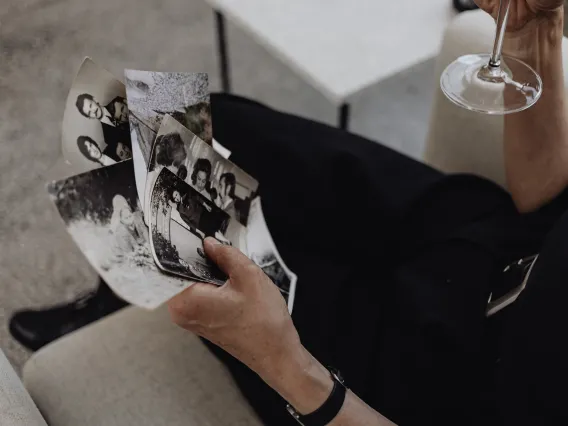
x,y
344,111
223,53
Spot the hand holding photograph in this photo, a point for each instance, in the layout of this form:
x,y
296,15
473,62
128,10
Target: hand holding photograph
x,y
101,212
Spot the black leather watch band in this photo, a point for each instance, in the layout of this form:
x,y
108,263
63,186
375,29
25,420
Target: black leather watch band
x,y
330,408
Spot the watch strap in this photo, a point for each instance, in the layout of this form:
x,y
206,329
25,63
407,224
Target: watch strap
x,y
330,408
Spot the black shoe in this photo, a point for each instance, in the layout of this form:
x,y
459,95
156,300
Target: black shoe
x,y
463,5
37,328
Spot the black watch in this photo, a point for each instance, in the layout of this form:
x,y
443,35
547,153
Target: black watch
x,y
330,408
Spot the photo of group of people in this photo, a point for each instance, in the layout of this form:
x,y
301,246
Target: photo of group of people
x,y
199,165
101,211
181,218
153,95
95,124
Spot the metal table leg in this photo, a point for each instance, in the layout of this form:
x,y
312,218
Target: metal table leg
x,y
344,111
223,53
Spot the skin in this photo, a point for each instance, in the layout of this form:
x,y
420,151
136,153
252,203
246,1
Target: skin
x,y
176,197
123,152
92,109
94,150
126,217
247,316
121,112
200,181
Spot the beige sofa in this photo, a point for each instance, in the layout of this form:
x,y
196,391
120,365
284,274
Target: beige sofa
x,y
136,368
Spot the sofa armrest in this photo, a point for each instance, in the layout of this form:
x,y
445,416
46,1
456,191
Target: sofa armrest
x,y
16,405
134,368
461,141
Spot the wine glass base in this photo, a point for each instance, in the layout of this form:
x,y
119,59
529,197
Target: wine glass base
x,y
471,83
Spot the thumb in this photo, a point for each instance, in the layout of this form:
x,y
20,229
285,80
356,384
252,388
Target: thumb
x,y
229,259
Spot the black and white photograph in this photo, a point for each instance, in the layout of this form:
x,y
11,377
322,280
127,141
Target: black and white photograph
x,y
151,95
263,252
205,170
95,130
101,211
181,218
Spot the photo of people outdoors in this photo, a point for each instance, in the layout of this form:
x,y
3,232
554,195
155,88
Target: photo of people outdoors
x,y
96,117
102,213
181,218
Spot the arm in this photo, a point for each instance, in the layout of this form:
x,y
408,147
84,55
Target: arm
x,y
302,381
248,318
536,140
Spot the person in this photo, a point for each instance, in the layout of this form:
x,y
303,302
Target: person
x,y
118,152
182,172
399,307
114,114
227,185
128,230
201,177
169,151
91,150
197,118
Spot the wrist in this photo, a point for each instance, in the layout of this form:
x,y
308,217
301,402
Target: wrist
x,y
301,380
538,40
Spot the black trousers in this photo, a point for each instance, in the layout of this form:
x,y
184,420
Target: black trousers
x,y
395,262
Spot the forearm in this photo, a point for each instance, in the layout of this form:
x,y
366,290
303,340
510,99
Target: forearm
x,y
302,381
536,140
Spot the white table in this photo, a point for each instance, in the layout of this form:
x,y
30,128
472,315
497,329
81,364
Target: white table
x,y
339,46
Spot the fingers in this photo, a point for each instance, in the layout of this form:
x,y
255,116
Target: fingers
x,y
188,307
231,260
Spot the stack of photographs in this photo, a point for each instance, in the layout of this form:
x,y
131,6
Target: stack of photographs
x,y
153,184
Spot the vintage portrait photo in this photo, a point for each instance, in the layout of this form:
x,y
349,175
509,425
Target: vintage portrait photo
x,y
101,212
263,252
181,218
95,129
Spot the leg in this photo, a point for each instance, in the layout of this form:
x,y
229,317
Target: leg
x,y
344,111
223,53
36,328
326,195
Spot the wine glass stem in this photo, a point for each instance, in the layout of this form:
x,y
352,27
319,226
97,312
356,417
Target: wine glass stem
x,y
502,18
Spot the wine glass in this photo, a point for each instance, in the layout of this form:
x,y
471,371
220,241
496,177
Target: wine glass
x,y
491,83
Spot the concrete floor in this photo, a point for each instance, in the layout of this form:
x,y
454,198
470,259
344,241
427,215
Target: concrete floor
x,y
42,43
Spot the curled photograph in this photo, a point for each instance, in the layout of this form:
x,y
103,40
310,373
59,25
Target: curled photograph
x,y
181,219
151,96
101,212
263,252
95,130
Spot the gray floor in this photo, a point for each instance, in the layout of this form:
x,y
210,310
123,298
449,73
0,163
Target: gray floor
x,y
42,42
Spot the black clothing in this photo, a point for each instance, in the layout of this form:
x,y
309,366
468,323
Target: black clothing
x,y
395,261
111,108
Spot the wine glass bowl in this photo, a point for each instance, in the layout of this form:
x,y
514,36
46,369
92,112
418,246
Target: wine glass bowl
x,y
490,83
